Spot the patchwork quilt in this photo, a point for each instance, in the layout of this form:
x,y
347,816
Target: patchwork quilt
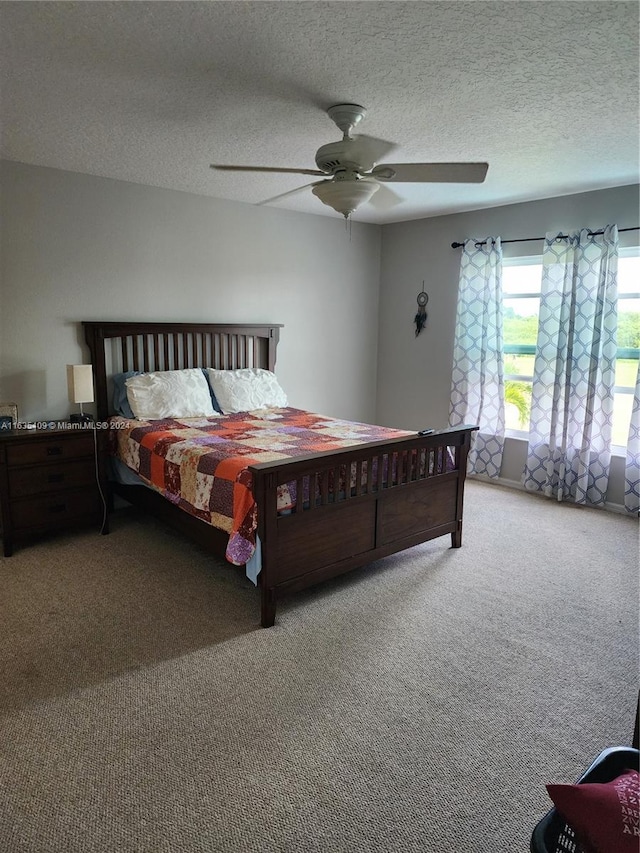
x,y
201,464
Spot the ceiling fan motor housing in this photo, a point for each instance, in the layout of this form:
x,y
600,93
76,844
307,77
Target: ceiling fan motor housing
x,y
338,157
334,157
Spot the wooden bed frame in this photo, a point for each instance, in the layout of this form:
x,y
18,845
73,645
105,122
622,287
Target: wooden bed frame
x,y
320,539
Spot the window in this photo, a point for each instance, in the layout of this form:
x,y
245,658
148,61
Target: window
x,y
628,342
521,281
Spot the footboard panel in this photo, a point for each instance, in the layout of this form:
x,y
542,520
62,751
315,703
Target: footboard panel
x,y
313,540
405,513
356,505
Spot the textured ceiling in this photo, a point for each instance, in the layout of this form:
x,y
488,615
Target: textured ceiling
x,y
153,92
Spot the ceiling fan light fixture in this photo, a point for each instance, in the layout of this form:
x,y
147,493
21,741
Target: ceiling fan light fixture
x,y
345,196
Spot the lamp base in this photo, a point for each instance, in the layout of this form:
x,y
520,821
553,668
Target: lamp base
x,y
83,419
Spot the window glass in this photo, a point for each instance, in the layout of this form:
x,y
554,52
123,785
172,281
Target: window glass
x,y
628,342
521,282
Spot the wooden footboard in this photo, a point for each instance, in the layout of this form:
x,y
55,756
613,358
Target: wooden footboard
x,y
356,505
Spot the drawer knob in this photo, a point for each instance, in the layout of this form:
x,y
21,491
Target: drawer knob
x,y
57,508
55,478
54,451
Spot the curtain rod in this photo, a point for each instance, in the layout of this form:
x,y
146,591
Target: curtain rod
x,y
536,239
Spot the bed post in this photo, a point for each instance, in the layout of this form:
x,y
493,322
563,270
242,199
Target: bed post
x,y
268,607
462,453
265,493
274,335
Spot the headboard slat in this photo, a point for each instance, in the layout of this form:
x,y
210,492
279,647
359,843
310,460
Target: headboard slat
x,y
145,353
165,348
156,352
174,338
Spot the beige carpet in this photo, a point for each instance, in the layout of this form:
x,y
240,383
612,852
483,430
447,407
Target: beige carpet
x,y
417,705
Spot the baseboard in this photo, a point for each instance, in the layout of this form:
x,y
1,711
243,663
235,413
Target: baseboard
x,y
619,508
499,481
514,484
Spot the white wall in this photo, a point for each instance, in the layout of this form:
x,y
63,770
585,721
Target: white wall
x,y
414,374
77,247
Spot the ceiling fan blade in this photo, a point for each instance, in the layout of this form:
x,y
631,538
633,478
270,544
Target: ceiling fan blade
x,y
454,173
384,198
367,150
292,192
267,169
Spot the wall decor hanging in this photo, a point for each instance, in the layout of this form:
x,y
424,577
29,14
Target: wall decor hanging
x,y
421,317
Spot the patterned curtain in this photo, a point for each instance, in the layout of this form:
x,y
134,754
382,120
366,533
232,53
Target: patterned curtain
x,y
574,370
632,469
477,385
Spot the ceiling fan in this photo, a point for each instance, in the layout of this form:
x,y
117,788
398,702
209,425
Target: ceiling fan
x,y
351,172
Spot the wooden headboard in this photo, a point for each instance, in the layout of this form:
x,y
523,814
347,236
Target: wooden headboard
x,y
117,347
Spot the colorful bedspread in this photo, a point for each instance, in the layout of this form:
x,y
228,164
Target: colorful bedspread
x,y
200,464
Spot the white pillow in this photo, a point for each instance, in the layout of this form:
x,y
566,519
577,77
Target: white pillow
x,y
246,389
170,394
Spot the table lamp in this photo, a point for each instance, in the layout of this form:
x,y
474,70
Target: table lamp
x,y
80,384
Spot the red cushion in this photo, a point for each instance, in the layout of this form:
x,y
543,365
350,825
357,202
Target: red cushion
x,y
604,816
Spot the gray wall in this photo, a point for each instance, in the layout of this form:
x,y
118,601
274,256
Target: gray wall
x,y
77,247
414,373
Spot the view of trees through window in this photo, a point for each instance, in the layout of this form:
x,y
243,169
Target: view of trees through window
x,y
521,281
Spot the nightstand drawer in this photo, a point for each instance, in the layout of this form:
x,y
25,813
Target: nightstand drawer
x,y
55,510
51,478
49,451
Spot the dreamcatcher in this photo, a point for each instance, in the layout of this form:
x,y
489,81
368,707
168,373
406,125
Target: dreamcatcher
x,y
421,317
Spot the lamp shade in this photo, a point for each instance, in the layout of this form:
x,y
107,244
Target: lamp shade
x,y
80,383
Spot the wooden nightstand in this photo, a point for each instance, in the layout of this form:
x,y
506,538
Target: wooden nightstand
x,y
47,483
